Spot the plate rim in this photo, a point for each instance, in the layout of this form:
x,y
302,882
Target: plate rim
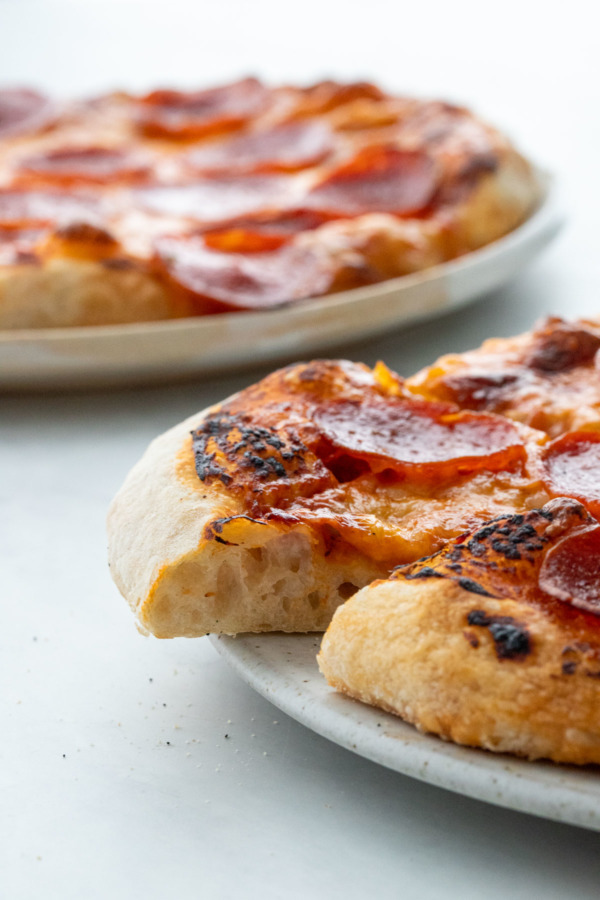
x,y
548,790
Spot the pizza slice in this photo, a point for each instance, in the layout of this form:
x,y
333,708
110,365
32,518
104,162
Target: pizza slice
x,y
493,642
458,544
269,510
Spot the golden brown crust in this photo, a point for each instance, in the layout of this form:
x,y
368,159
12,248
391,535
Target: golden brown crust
x,y
493,663
296,226
402,647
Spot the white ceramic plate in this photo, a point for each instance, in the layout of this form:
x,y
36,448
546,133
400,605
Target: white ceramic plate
x,y
282,667
153,351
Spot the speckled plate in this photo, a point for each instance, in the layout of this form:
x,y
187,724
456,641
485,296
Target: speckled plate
x,y
150,352
283,669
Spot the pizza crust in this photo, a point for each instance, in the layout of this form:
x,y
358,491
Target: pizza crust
x,y
179,582
407,647
66,292
497,204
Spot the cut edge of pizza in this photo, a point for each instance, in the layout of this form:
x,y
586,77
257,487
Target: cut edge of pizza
x,y
190,559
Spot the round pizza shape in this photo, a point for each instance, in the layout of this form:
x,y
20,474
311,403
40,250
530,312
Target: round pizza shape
x,y
239,197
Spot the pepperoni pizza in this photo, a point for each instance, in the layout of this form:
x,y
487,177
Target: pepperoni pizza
x,y
129,208
451,519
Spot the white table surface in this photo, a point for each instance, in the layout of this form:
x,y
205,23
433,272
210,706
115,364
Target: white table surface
x,y
117,778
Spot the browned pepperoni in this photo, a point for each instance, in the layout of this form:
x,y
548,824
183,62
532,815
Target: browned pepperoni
x,y
572,467
478,389
96,165
273,228
324,96
244,240
242,280
426,438
177,114
571,570
559,346
23,110
377,179
287,147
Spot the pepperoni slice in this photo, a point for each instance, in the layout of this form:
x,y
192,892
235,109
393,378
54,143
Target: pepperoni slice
x,y
378,179
23,110
327,95
284,148
571,465
177,114
262,231
559,346
44,207
478,388
425,439
244,240
239,281
217,199
571,570
96,165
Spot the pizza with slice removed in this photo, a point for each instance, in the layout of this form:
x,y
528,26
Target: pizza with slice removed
x,y
449,518
127,208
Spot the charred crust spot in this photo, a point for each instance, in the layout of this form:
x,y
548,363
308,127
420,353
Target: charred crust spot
x,y
471,638
214,530
467,584
506,548
511,638
425,572
579,653
456,553
225,445
508,537
475,547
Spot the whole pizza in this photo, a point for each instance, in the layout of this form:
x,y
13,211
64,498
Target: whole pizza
x,y
126,208
442,530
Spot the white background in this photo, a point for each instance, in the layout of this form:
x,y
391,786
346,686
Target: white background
x,y
117,780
